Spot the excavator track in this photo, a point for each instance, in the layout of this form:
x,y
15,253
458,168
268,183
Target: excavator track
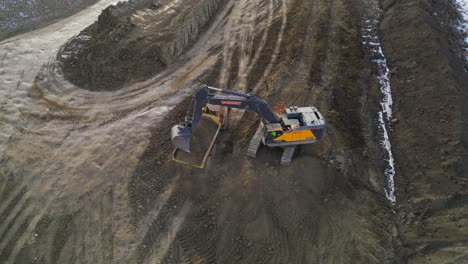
x,y
288,154
255,142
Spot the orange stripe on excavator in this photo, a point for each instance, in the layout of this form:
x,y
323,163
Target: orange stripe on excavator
x,y
298,135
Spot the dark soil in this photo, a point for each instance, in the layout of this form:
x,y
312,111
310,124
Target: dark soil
x,y
102,188
430,88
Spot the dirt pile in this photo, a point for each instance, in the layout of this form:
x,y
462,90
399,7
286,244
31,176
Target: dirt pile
x,y
430,88
134,41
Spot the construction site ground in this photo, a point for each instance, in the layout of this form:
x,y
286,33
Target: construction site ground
x,y
87,104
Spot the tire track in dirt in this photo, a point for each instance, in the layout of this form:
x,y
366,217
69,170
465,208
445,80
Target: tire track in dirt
x,y
282,254
239,34
106,229
12,198
165,240
144,224
3,187
232,32
54,239
245,35
11,215
227,47
150,217
253,62
183,246
250,51
7,248
276,51
26,235
16,220
70,244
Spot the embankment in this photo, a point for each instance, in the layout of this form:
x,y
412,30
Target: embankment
x,y
134,42
430,90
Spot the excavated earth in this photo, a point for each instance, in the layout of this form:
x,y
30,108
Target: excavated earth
x,y
86,174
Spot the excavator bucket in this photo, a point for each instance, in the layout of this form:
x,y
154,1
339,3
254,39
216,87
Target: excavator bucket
x,y
181,136
194,147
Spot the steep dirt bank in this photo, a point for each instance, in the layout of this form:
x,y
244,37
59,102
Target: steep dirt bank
x,y
133,42
430,92
21,16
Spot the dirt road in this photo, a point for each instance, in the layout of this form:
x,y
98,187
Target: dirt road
x,y
86,175
17,17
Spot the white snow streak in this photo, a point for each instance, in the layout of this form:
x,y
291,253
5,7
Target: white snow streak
x,y
463,27
372,42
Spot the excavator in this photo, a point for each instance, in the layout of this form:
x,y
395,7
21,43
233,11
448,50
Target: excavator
x,y
284,127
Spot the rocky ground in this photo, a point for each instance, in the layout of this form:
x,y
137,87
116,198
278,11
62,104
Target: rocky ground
x,y
86,167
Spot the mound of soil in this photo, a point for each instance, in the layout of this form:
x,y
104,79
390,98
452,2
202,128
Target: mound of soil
x,y
134,41
430,87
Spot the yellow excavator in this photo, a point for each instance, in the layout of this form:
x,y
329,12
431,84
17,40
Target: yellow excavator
x,y
287,127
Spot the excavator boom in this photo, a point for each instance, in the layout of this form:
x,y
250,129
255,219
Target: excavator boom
x,y
181,134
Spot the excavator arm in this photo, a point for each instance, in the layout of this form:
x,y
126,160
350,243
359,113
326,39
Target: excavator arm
x,y
182,133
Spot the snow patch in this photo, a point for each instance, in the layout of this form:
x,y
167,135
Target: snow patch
x,y
371,41
463,26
